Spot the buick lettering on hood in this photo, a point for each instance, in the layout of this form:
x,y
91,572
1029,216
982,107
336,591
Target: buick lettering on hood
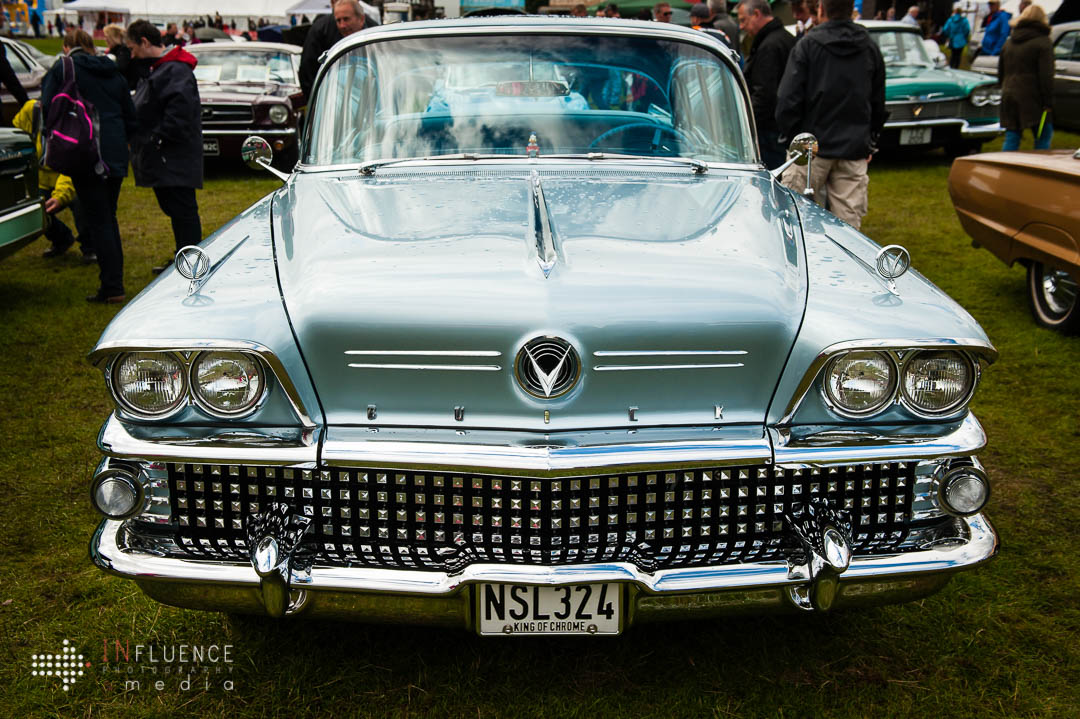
x,y
529,342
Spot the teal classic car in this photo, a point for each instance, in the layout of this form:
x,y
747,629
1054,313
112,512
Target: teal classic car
x,y
931,105
531,365
21,215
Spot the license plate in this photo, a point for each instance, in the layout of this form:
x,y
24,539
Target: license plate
x,y
915,136
514,609
210,147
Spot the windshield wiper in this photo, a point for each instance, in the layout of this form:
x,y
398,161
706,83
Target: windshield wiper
x,y
698,167
369,167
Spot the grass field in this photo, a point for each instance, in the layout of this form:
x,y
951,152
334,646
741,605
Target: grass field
x,y
997,642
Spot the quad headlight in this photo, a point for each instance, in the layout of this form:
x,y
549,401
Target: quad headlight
x,y
149,383
155,384
860,383
278,114
986,95
937,382
228,383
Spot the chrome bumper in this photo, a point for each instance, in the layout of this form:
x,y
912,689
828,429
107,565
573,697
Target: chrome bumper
x,y
986,131
423,597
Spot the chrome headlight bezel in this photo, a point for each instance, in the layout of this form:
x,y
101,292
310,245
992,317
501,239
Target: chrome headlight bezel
x,y
952,408
205,405
278,114
127,406
887,398
986,95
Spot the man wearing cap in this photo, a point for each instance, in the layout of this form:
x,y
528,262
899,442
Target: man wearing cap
x,y
764,67
701,19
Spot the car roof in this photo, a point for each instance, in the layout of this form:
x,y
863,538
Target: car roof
x,y
242,46
1059,30
888,25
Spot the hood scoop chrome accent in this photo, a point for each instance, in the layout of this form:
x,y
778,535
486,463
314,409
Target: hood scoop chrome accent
x,y
546,254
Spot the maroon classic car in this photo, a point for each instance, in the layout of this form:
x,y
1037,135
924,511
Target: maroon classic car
x,y
249,89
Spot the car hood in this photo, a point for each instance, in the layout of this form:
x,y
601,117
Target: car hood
x,y
244,93
908,82
412,293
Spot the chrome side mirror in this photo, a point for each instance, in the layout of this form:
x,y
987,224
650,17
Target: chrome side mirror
x,y
801,152
256,153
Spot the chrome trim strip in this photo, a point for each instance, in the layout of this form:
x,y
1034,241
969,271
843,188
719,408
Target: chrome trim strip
x,y
426,353
664,353
32,207
625,367
980,348
451,367
833,446
114,440
210,132
111,550
543,460
105,350
543,238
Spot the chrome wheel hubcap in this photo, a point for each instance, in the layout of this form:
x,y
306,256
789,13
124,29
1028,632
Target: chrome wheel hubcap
x,y
1058,290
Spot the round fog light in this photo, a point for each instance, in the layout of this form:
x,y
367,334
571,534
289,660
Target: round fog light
x,y
964,491
116,494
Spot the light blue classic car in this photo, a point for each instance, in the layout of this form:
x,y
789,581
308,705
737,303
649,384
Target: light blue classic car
x,y
531,365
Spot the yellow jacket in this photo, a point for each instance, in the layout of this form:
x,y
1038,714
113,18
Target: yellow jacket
x,y
60,185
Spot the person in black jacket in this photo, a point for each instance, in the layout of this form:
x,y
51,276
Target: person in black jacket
x,y
168,149
834,87
98,188
347,18
764,67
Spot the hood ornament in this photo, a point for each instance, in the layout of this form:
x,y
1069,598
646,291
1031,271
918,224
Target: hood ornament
x,y
547,367
892,262
193,264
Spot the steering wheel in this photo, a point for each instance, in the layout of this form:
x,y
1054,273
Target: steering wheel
x,y
681,136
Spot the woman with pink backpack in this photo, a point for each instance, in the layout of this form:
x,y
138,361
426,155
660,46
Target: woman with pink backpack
x,y
86,137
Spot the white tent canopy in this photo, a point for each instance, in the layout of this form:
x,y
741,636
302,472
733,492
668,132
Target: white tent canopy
x,y
161,11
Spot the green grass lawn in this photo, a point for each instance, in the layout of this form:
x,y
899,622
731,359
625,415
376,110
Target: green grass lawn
x,y
1000,641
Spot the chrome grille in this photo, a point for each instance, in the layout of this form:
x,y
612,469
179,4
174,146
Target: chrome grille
x,y
441,520
213,113
960,109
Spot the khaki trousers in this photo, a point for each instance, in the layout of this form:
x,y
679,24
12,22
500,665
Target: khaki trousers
x,y
842,184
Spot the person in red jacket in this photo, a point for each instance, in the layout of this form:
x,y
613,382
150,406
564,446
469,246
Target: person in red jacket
x,y
167,150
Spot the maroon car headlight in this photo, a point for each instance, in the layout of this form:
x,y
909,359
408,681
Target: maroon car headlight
x,y
278,114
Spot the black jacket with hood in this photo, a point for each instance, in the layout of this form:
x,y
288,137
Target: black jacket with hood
x,y
764,68
834,87
101,84
168,149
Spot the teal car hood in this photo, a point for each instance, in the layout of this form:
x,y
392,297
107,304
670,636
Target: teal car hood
x,y
412,294
912,82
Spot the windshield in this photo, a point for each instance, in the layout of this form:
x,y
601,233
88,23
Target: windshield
x,y
545,94
902,48
245,66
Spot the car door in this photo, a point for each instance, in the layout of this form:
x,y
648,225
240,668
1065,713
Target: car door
x,y
1067,80
30,75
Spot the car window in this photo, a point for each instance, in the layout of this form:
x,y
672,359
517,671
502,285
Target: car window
x,y
15,58
902,48
245,66
1068,46
567,94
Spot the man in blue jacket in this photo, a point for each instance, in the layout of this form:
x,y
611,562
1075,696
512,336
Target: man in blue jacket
x,y
996,30
957,30
167,150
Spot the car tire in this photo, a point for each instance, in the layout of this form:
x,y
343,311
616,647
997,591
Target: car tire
x,y
1052,294
961,148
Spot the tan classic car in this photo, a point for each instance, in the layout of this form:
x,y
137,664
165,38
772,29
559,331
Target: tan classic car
x,y
1025,207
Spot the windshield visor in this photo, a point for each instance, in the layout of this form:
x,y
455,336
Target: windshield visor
x,y
519,94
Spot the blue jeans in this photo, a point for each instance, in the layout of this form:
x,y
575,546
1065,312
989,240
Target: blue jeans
x,y
1042,142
